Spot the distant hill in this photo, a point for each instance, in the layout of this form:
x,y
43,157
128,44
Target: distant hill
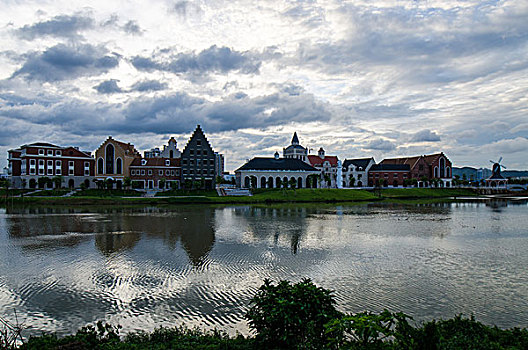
x,y
471,173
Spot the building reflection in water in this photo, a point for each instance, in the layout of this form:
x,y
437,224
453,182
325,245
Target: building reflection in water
x,y
115,230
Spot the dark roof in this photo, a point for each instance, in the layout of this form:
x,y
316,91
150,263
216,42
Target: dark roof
x,y
362,162
390,167
295,139
277,164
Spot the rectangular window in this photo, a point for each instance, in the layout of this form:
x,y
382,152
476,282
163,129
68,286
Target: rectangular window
x,y
198,142
198,152
50,167
167,162
160,173
50,152
167,172
132,172
58,163
142,171
150,172
41,152
58,153
177,172
191,152
32,163
184,161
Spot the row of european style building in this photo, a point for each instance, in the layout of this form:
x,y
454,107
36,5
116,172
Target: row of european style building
x,y
114,162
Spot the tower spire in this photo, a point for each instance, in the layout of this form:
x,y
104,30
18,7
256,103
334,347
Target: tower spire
x,y
295,139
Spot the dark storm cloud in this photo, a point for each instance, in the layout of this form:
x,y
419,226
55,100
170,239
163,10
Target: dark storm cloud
x,y
59,26
212,60
149,85
425,136
380,145
63,62
175,113
108,87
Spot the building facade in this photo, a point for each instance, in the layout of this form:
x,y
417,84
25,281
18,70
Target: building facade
x,y
385,175
329,168
276,173
427,169
155,173
113,159
44,160
198,161
355,172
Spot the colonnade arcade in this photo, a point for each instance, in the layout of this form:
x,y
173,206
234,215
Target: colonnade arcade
x,y
280,181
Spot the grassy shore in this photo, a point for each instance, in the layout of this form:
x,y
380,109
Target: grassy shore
x,y
114,197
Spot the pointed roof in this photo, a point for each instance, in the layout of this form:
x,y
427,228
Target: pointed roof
x,y
295,139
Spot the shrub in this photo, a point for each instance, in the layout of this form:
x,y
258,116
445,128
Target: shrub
x,y
289,316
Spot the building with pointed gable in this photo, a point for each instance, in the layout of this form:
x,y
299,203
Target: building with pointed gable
x,y
329,167
198,160
436,167
355,171
113,159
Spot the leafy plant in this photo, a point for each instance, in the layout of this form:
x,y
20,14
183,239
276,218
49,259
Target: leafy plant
x,y
290,316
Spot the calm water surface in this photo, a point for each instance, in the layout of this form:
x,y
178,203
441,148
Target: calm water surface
x,y
61,268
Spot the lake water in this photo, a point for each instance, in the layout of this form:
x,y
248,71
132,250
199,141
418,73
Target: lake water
x,y
61,268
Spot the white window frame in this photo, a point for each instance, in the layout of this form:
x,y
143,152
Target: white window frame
x,y
58,153
150,172
71,167
142,171
49,167
160,172
41,152
50,152
167,162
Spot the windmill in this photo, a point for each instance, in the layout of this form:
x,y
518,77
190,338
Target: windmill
x,y
496,170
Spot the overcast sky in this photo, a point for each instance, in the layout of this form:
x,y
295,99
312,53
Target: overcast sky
x,y
359,78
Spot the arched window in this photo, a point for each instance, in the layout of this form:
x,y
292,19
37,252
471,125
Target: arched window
x,y
110,152
246,182
442,167
119,166
262,182
436,171
100,166
171,154
299,182
278,182
270,182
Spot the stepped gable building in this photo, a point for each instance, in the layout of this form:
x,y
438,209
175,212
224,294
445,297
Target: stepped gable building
x,y
295,150
198,160
355,171
155,173
433,166
389,175
275,172
113,159
329,167
30,162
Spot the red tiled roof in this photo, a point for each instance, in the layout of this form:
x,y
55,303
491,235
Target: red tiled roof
x,y
317,161
429,159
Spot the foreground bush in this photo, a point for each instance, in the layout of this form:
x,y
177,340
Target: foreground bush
x,y
299,316
287,315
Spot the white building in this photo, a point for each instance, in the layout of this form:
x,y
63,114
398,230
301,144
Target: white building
x,y
275,173
355,172
295,150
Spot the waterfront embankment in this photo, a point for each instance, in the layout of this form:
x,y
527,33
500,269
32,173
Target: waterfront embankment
x,y
114,197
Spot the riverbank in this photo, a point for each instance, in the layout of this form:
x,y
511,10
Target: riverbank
x,y
259,197
293,316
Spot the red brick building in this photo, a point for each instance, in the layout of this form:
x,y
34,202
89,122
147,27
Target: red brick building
x,y
388,175
156,173
435,167
37,160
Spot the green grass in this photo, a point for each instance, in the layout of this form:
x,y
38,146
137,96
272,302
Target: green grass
x,y
92,192
425,192
13,192
179,193
51,193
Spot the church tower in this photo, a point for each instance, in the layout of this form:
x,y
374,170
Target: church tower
x,y
295,150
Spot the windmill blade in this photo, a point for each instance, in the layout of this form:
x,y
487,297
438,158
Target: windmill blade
x,y
492,162
503,166
500,159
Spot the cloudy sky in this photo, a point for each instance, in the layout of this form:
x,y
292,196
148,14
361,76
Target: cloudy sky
x,y
359,78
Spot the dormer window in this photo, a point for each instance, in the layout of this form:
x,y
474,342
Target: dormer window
x,y
143,162
167,162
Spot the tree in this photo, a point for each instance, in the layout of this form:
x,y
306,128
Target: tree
x,y
293,183
5,183
43,181
127,182
32,183
327,180
352,180
253,182
57,181
279,183
286,316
